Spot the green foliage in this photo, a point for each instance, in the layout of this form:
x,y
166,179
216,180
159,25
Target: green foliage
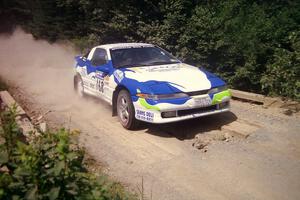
x,y
50,167
283,71
11,133
252,44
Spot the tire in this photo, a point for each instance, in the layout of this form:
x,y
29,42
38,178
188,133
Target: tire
x,y
125,111
78,85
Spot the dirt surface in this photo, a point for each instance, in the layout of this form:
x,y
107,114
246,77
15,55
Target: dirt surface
x,y
249,153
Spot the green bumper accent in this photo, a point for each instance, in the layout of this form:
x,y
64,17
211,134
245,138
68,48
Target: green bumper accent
x,y
144,103
218,97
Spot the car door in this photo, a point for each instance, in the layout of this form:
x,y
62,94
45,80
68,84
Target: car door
x,y
97,78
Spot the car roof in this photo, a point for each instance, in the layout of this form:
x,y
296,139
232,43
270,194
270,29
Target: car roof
x,y
124,45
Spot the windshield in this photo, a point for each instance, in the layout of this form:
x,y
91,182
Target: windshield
x,y
141,56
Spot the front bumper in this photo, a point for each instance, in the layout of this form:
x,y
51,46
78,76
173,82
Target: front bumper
x,y
165,112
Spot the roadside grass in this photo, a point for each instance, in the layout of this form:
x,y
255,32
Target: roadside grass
x,y
49,166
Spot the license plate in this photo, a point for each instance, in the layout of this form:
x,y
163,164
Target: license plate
x,y
202,101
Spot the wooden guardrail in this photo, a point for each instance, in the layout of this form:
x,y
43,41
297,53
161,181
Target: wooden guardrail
x,y
9,101
22,118
266,101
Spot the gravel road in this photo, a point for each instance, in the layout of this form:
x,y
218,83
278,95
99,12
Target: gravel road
x,y
265,165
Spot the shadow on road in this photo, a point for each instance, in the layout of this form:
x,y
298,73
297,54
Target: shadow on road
x,y
182,130
188,129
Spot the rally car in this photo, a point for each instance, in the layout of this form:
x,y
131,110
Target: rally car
x,y
143,82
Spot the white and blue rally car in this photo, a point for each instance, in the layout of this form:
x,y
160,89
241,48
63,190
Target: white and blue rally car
x,y
144,82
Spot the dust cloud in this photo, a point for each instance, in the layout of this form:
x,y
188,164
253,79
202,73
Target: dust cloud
x,y
45,72
36,64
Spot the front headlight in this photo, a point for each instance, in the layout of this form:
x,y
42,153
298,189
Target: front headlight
x,y
162,96
218,89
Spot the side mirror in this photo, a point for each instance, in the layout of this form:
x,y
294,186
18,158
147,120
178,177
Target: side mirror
x,y
88,62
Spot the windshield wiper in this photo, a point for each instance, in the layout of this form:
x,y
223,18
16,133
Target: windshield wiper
x,y
131,65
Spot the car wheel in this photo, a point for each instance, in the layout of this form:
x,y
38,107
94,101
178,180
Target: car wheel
x,y
78,85
125,110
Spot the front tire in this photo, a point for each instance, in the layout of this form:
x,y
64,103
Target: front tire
x,y
125,110
78,85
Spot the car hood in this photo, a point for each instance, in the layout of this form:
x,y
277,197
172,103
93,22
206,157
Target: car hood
x,y
164,79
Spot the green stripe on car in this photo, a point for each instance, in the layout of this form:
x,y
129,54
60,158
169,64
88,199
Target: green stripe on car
x,y
144,103
218,97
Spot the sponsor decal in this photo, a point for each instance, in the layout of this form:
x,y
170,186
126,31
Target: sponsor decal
x,y
85,83
99,75
145,115
92,85
132,46
119,75
106,78
163,68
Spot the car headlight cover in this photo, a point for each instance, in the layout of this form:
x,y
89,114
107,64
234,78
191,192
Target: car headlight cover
x,y
162,96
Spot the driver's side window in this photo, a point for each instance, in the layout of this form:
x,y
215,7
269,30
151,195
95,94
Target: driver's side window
x,y
99,57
